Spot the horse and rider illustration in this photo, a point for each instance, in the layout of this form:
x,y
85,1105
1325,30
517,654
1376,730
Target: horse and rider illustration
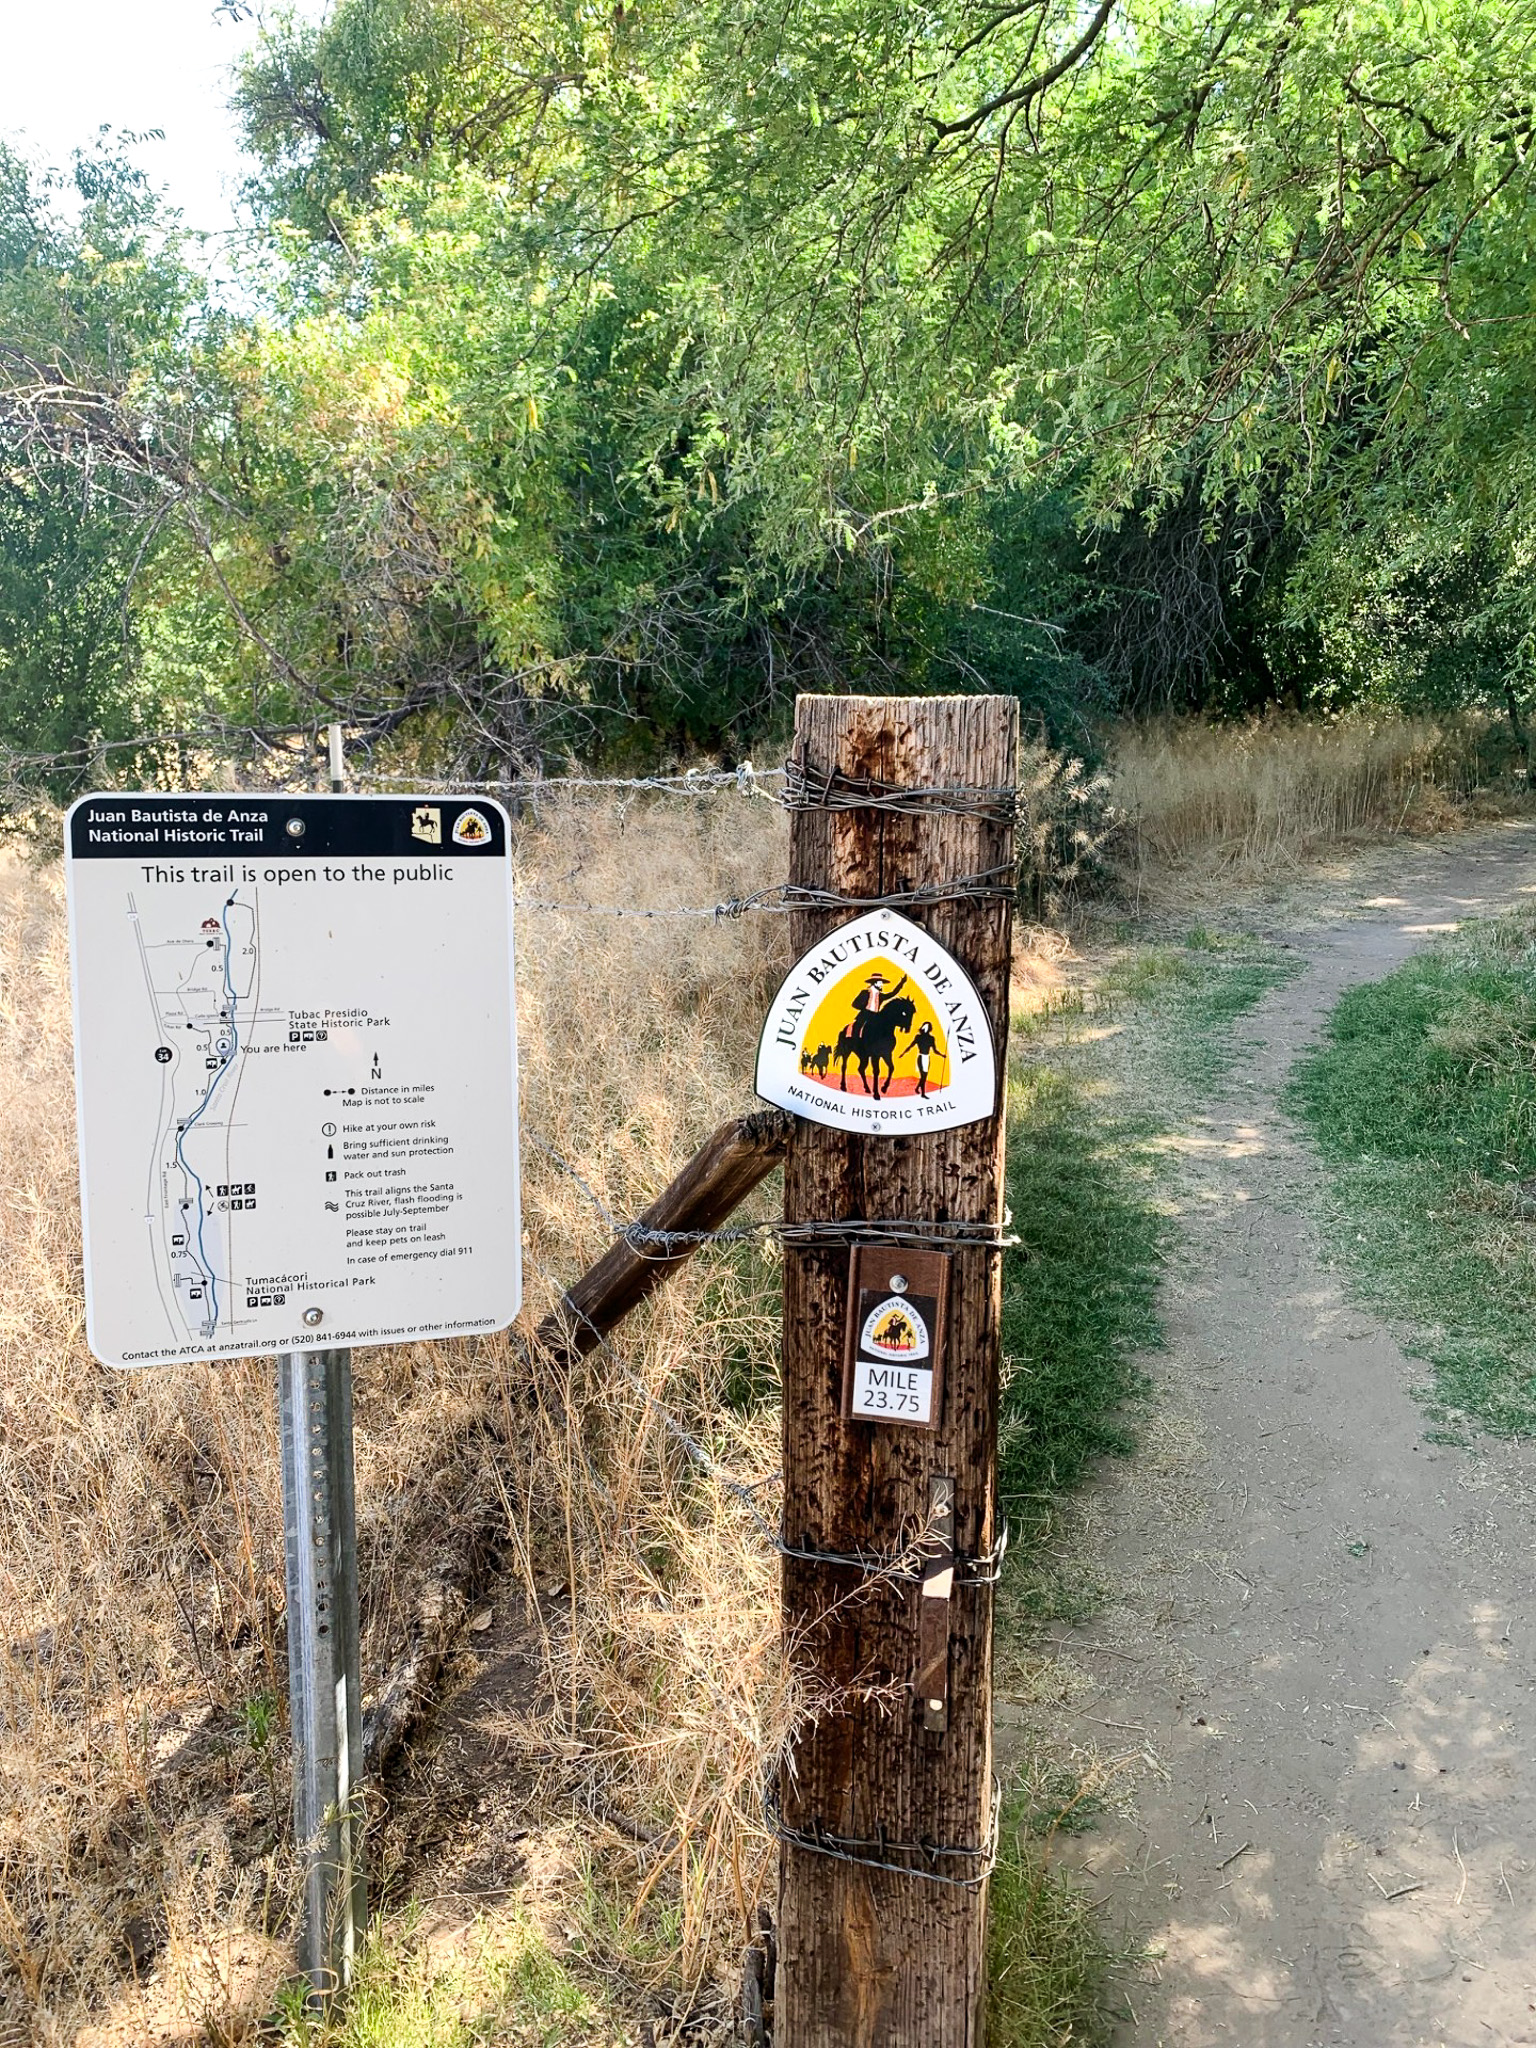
x,y
882,1014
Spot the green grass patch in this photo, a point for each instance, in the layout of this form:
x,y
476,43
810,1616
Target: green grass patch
x,y
1079,1295
1050,1972
1196,992
1422,1103
507,1986
1079,1302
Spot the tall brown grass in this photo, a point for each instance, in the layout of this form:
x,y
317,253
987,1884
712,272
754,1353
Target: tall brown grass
x,y
1263,795
145,1861
143,1768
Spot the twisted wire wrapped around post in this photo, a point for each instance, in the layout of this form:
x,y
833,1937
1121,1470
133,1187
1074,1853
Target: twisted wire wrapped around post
x,y
804,788
904,1563
821,1841
829,789
907,1232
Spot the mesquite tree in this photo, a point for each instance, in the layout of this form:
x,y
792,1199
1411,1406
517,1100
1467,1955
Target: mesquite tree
x,y
608,374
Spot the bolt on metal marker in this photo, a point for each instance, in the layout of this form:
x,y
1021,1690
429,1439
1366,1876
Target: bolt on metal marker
x,y
314,1405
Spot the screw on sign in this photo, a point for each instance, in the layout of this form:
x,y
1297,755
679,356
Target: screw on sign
x,y
275,993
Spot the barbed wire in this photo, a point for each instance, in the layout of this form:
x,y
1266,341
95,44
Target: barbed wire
x,y
803,788
984,1569
987,885
829,789
903,1564
743,781
910,1233
595,1200
821,1841
746,1491
88,751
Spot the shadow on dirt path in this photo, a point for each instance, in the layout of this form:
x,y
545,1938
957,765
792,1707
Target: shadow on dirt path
x,y
1317,1652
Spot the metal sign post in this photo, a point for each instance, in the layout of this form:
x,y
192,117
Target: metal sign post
x,y
314,1403
296,1074
325,1707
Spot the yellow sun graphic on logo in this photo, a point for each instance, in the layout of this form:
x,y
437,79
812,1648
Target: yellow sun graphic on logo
x,y
824,1042
894,1332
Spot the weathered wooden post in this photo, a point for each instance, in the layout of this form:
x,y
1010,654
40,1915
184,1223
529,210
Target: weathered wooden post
x,y
886,1809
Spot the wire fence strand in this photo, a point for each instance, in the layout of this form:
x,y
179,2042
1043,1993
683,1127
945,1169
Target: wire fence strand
x,y
878,1851
794,787
909,1232
903,1563
987,885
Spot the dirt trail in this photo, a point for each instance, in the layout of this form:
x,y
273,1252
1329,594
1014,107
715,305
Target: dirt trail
x,y
1318,1645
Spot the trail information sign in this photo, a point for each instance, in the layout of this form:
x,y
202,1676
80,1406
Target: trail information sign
x,y
296,1071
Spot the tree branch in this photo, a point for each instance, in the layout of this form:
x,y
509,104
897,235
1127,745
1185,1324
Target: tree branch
x,y
1021,95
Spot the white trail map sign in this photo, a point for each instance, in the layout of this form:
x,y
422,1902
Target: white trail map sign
x,y
296,1072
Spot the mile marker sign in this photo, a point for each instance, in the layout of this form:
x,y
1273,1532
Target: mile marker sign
x,y
296,1071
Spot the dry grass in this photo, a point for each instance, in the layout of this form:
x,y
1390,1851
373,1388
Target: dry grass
x,y
145,1879
143,1824
1263,796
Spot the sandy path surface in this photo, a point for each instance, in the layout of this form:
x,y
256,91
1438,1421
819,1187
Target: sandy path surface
x,y
1318,1652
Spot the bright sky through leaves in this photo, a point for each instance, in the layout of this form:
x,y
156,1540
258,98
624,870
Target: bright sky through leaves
x,y
138,65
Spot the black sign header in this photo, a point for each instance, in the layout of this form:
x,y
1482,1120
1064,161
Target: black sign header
x,y
135,826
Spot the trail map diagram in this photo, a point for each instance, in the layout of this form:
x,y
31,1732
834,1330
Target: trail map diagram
x,y
295,1069
203,987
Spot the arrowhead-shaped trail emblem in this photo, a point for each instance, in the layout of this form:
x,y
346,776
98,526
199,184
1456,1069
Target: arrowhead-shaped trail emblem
x,y
879,1029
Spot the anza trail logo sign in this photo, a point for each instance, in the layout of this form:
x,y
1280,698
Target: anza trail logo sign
x,y
894,1329
879,1029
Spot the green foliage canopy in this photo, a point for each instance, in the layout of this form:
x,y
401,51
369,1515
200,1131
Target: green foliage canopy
x,y
84,311
614,371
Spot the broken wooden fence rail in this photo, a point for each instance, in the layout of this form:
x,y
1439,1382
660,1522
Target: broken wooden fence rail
x,y
714,1183
734,1161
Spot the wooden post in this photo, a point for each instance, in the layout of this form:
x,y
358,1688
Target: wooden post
x,y
874,1958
